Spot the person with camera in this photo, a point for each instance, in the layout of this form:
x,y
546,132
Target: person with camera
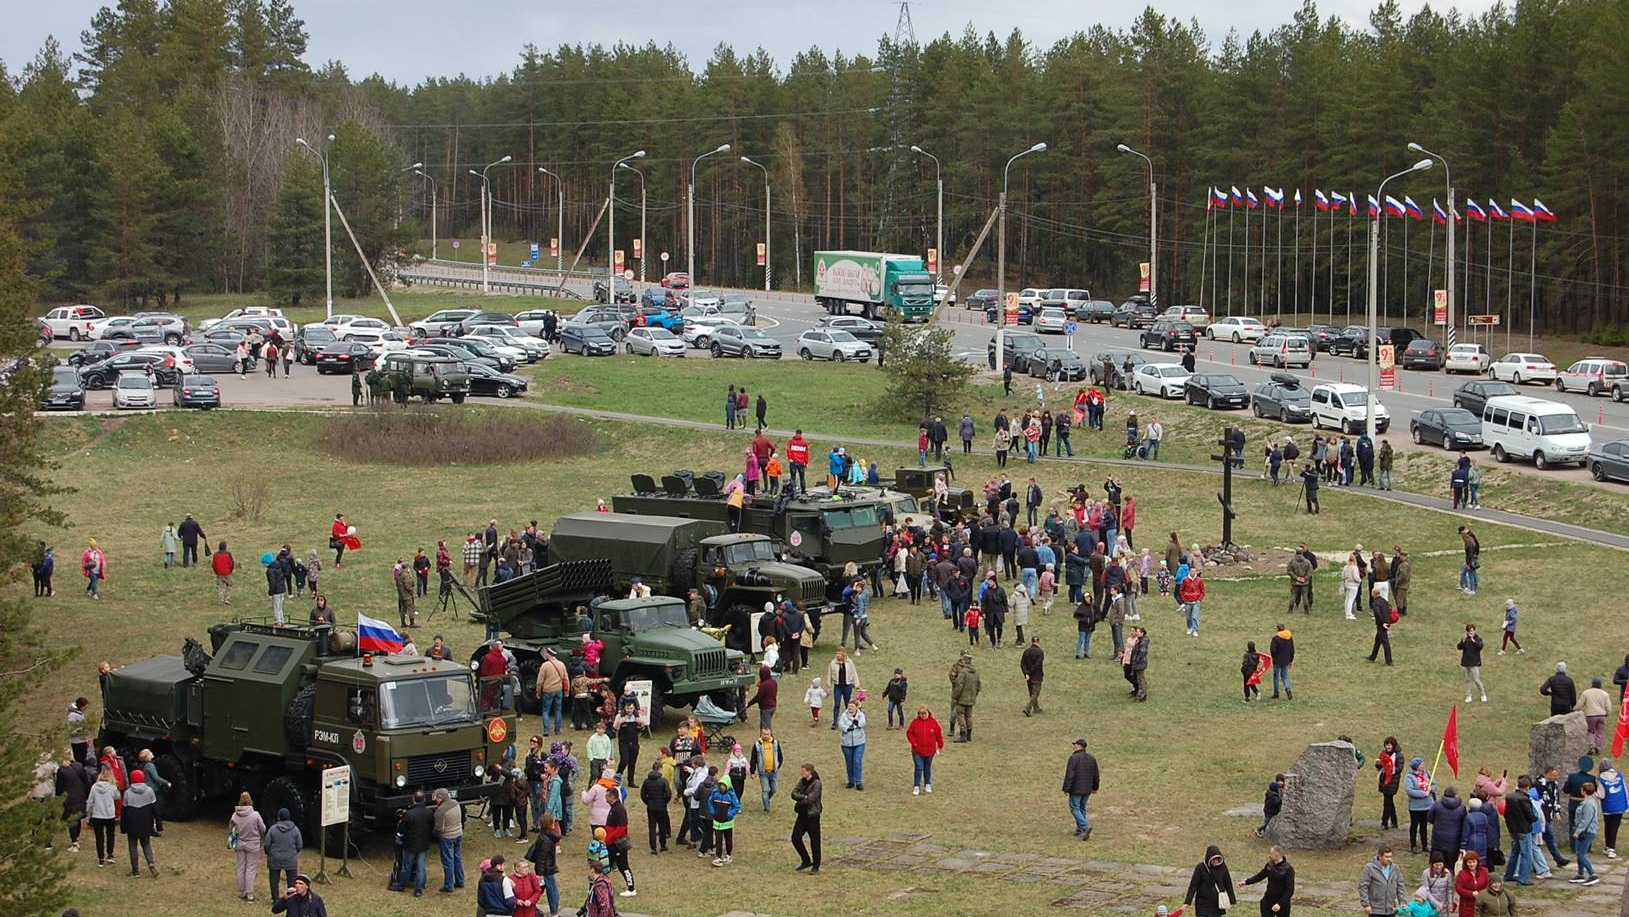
x,y
300,900
1309,486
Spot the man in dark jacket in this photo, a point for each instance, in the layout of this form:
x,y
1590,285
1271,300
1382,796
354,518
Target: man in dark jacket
x,y
73,784
1031,664
766,698
1519,819
1080,781
300,901
1381,610
1007,542
1282,651
1139,663
1280,876
655,793
418,831
959,594
1563,694
191,533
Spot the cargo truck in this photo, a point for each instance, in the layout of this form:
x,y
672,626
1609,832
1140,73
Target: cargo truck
x,y
881,284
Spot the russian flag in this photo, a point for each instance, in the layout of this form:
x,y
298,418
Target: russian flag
x,y
1413,208
1238,197
1474,211
1275,198
1374,207
1250,198
1438,214
1542,213
1520,211
376,636
1320,200
1297,197
1351,203
1218,197
1394,207
1495,211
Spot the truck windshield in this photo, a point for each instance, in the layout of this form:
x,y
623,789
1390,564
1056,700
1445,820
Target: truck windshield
x,y
748,552
1553,424
650,617
915,289
850,517
426,702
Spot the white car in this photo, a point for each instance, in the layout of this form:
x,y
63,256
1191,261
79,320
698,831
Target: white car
x,y
832,344
1345,407
942,295
531,321
1467,358
134,390
347,327
534,349
698,329
1051,320
705,300
1029,296
380,342
441,322
654,342
1595,376
73,323
178,356
1517,368
1235,328
1167,380
102,327
267,312
513,351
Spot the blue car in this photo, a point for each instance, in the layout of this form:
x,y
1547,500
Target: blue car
x,y
658,317
1026,316
659,298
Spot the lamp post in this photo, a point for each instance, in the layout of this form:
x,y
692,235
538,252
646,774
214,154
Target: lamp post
x,y
559,225
644,243
327,219
1001,256
435,197
1153,225
1448,176
690,215
611,228
486,220
767,262
1374,294
939,180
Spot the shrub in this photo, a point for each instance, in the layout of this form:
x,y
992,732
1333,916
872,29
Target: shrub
x,y
417,436
1604,335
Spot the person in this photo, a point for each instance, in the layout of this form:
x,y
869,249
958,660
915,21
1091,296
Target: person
x,y
721,808
449,834
1614,802
1002,442
1402,575
1469,882
337,533
528,888
300,901
1595,704
138,821
1300,572
1495,900
1032,664
597,797
1470,660
627,727
246,831
1209,884
806,802
1520,817
851,738
93,563
1137,662
1280,876
1586,824
814,698
894,692
1561,691
494,892
1272,803
1309,487
618,842
1381,610
765,762
418,828
601,902
102,807
964,692
1421,796
1447,821
1191,593
1080,781
1390,765
544,853
1469,578
1509,638
1380,885
73,783
1282,653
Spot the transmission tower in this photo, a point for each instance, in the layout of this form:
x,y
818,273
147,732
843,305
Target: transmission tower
x,y
904,31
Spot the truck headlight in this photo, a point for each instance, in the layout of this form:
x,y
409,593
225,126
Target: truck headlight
x,y
401,780
480,770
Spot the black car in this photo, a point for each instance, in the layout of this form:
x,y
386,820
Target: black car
x,y
484,380
489,318
106,373
1422,354
484,349
1352,342
1094,371
459,349
1322,335
1017,348
1133,314
97,351
1168,335
309,340
983,300
343,357
1610,462
737,341
1450,428
1058,365
1096,311
624,291
1473,396
588,340
66,393
1215,391
1282,396
197,392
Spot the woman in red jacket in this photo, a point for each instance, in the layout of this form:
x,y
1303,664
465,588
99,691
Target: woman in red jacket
x,y
336,537
1191,593
927,740
1472,878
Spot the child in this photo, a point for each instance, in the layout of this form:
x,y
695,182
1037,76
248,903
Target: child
x,y
1250,670
666,763
1510,628
1163,579
723,806
737,765
301,572
972,619
591,654
599,751
1047,589
772,654
772,470
1144,567
599,855
1271,804
894,691
1418,906
814,699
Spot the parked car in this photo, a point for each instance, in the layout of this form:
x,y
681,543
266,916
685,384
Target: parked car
x,y
1595,376
1467,358
588,340
655,341
862,328
1168,335
97,351
1058,365
1193,315
1548,432
66,392
659,297
703,299
467,351
1281,350
624,291
1017,348
1096,311
982,299
1282,396
150,328
1029,296
1450,428
1611,461
1345,407
942,296
1217,391
606,318
213,358
1134,314
534,348
1236,328
264,313
471,322
74,323
739,341
1322,335
104,374
532,321
739,307
1051,320
699,328
1422,354
488,382
1167,380
677,280
998,313
1521,368
1069,299
342,357
832,344
346,327
1094,369
441,323
507,355
196,391
309,340
1351,342
134,389
661,317
1472,396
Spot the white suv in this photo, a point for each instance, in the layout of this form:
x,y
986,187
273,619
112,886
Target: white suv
x,y
1345,407
1595,376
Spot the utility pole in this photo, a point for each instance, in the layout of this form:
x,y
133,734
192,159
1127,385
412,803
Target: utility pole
x,y
327,219
1001,257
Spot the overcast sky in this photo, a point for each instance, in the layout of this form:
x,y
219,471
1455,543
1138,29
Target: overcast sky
x,y
408,40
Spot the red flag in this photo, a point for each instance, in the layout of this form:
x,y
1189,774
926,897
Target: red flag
x,y
1622,733
1450,738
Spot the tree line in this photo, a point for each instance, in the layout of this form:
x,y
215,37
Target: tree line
x,y
160,160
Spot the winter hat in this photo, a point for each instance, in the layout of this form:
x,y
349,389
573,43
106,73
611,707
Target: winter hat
x,y
599,834
138,777
1586,763
735,747
283,815
304,879
1510,603
1416,762
1474,804
723,781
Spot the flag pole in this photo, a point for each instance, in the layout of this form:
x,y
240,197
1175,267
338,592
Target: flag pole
x,y
1230,210
1430,262
1246,274
1297,259
1278,261
1440,745
1204,244
1532,285
1510,278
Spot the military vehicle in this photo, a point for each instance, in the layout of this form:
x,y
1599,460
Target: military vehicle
x,y
918,482
430,378
644,638
276,706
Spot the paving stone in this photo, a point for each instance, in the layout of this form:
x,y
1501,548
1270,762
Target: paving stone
x,y
1086,898
906,859
957,863
908,836
1015,857
888,866
928,849
993,867
844,841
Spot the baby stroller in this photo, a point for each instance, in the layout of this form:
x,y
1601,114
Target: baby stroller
x,y
1133,449
714,720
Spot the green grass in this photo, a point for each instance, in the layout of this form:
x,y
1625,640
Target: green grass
x,y
1171,766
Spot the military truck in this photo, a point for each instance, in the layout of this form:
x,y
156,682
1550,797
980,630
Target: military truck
x,y
644,638
274,707
429,378
918,482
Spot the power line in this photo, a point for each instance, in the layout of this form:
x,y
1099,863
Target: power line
x,y
626,121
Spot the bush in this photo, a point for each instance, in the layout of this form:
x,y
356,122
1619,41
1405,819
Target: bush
x,y
418,436
1603,335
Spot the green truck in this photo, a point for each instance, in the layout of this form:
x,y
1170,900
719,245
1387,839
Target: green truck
x,y
881,284
273,707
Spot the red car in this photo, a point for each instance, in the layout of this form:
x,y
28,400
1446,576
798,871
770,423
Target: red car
x,y
678,280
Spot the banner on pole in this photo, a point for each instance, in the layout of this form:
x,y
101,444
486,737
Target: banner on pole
x,y
1439,300
1142,275
1388,367
492,253
554,246
760,254
933,261
639,248
619,259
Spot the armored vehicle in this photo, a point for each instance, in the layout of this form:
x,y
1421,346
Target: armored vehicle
x,y
276,706
644,638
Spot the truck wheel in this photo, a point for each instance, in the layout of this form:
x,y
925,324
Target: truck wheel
x,y
283,793
529,702
179,803
458,398
297,726
428,398
681,576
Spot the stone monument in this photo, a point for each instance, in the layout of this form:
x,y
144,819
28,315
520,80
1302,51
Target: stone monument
x,y
1557,742
1317,812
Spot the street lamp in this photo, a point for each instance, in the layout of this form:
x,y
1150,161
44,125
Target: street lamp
x,y
1374,294
1448,176
435,197
560,226
611,227
939,180
1001,256
486,220
644,243
327,219
767,262
1153,225
690,214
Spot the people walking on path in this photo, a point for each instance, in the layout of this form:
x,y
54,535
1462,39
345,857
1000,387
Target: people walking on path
x,y
1080,780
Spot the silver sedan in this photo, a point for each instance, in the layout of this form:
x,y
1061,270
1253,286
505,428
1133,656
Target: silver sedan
x,y
655,342
832,344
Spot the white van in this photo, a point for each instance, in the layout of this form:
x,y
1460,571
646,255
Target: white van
x,y
1548,432
1345,407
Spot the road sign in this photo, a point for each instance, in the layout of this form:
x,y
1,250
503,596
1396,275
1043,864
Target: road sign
x,y
628,275
1481,319
1012,300
457,244
664,257
535,250
1439,302
336,795
1068,327
619,257
1388,367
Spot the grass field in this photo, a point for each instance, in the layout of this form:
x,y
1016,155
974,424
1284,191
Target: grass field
x,y
1172,767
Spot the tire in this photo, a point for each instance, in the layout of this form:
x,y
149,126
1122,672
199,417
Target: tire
x,y
1278,362
504,391
1499,454
1251,357
1593,389
348,337
1540,462
1235,337
806,355
618,335
1419,439
717,351
297,725
1283,415
428,398
1618,394
1515,378
749,353
284,793
1255,408
841,356
179,803
681,574
458,398
1210,403
1597,471
73,334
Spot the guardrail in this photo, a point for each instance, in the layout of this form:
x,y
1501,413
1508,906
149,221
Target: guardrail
x,y
496,285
